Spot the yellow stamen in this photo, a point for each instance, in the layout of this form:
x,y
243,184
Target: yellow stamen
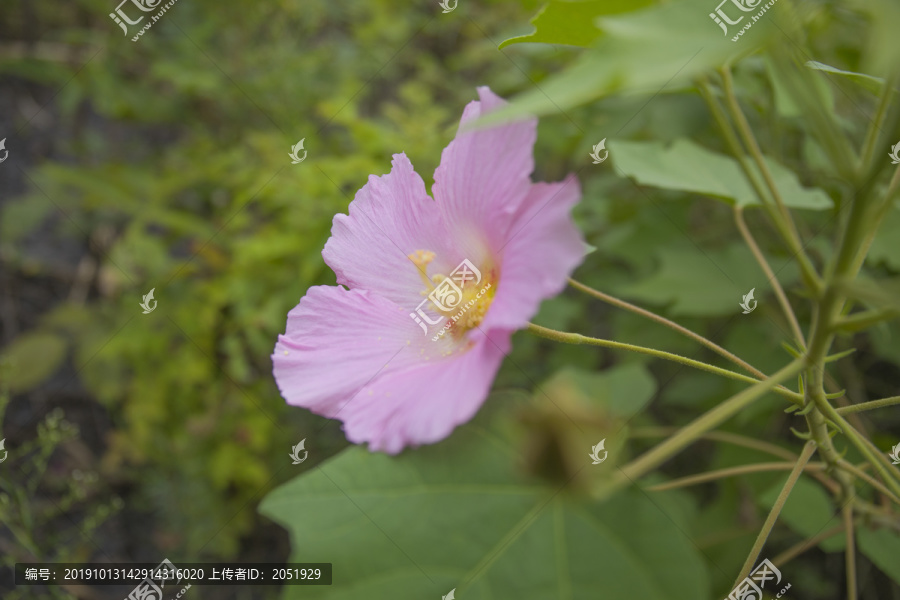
x,y
421,258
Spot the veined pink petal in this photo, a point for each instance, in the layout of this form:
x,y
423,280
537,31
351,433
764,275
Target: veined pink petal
x,y
391,217
423,404
484,176
336,341
542,250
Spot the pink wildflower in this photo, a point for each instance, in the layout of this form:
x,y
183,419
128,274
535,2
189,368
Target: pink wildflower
x,y
367,355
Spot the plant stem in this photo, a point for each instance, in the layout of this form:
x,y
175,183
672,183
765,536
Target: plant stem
x,y
729,472
811,278
865,319
782,218
880,212
577,338
808,449
888,474
849,551
855,408
843,464
798,549
670,324
868,151
767,270
721,436
738,440
659,454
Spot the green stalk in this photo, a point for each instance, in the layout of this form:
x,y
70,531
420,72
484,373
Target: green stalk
x,y
670,324
855,408
577,338
770,275
729,472
808,449
810,276
711,419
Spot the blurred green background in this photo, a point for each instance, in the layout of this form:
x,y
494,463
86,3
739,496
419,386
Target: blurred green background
x,y
163,164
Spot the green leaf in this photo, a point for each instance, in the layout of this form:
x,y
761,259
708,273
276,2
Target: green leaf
x,y
658,49
808,511
882,547
689,167
885,248
622,390
33,357
460,514
881,293
572,23
873,84
707,283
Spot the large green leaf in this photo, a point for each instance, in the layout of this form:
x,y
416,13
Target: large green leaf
x,y
572,23
689,167
882,547
461,514
659,49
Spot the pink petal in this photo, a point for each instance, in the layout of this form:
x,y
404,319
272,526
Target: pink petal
x,y
484,176
422,405
542,250
337,340
390,218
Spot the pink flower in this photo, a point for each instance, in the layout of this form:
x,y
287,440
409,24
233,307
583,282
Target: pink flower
x,y
368,355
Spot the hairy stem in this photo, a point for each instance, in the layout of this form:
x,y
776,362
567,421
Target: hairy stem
x,y
855,408
688,434
577,338
849,551
811,278
843,464
739,440
798,549
770,275
670,324
783,219
875,127
730,472
808,449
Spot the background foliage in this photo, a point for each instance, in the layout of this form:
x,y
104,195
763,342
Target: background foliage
x,y
163,164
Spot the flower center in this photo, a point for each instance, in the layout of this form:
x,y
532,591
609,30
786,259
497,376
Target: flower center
x,y
463,297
